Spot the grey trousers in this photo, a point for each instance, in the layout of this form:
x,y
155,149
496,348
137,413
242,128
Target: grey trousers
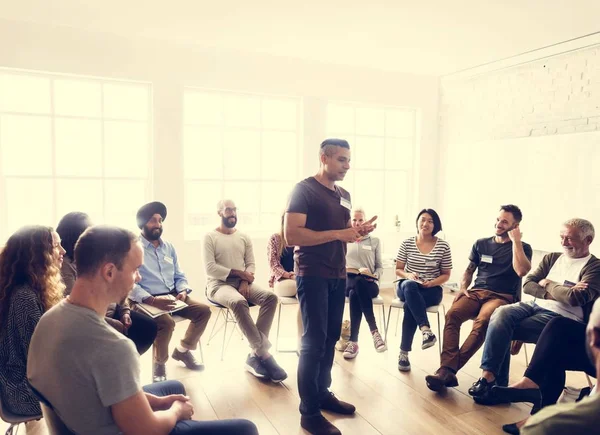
x,y
257,334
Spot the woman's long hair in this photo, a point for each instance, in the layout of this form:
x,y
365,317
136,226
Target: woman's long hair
x,y
27,259
283,243
70,227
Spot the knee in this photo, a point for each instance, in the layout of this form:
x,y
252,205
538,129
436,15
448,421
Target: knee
x,y
453,317
271,299
203,312
409,287
165,323
239,305
501,315
174,387
246,427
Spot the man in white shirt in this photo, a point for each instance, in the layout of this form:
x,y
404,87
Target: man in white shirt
x,y
229,264
564,284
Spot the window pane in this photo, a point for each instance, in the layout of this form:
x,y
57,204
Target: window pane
x,y
340,119
279,156
369,192
400,123
279,114
126,101
29,202
24,93
203,152
79,195
370,121
274,200
123,198
246,197
21,139
127,149
397,199
242,111
77,98
201,199
204,108
399,153
242,154
78,147
368,153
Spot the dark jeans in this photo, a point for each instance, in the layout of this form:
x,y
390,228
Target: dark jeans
x,y
322,305
522,321
192,427
142,331
561,347
416,299
361,293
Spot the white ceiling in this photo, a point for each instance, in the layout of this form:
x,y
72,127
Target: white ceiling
x,y
433,37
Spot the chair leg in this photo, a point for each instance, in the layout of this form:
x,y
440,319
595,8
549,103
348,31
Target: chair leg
x,y
224,335
439,333
526,356
212,331
278,325
383,321
397,321
387,325
10,429
201,353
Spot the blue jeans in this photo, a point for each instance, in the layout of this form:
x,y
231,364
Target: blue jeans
x,y
322,306
522,321
192,427
416,299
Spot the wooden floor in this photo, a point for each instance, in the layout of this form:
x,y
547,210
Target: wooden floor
x,y
387,401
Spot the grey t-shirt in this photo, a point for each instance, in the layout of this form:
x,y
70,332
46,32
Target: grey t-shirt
x,y
82,366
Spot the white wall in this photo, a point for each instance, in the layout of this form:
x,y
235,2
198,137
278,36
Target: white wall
x,y
525,134
171,67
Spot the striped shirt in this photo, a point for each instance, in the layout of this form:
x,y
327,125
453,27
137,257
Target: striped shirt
x,y
427,266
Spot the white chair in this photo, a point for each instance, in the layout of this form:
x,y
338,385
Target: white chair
x,y
434,309
283,300
14,420
377,301
228,317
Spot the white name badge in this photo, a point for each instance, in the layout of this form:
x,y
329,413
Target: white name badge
x,y
367,247
430,264
345,203
487,259
168,259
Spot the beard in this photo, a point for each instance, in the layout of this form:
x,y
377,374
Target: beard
x,y
152,234
229,222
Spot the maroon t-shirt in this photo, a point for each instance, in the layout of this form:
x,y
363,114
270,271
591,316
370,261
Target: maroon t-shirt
x,y
324,211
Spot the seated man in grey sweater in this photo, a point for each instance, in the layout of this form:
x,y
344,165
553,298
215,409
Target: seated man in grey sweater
x,y
229,264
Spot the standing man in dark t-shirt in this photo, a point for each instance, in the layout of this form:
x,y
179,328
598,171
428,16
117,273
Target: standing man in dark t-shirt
x,y
501,261
317,221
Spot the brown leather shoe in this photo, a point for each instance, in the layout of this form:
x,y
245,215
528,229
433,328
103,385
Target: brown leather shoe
x,y
441,379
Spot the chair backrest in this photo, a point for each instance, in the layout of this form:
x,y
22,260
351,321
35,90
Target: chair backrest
x,y
53,421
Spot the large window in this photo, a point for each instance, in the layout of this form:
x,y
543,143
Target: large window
x,y
244,147
72,143
382,142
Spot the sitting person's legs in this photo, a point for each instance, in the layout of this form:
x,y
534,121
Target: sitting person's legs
x,y
142,331
192,427
199,315
287,288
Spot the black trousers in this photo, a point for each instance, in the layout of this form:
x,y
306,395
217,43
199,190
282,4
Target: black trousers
x,y
561,347
361,293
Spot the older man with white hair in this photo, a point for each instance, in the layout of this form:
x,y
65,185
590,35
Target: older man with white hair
x,y
229,263
565,284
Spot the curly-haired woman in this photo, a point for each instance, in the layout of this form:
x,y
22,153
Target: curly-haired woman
x,y
30,284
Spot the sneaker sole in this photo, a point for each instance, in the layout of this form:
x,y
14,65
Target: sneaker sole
x,y
254,372
404,369
428,345
381,349
352,356
277,381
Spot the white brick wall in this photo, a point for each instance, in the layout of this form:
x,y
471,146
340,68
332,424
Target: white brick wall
x,y
558,95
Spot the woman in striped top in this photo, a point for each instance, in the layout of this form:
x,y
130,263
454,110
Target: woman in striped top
x,y
423,264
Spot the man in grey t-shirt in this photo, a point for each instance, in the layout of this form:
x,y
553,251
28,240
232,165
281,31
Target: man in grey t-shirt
x,y
229,265
87,371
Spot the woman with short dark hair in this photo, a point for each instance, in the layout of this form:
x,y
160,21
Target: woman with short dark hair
x,y
423,265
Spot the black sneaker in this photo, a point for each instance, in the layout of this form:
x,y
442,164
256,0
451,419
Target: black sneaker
x,y
254,366
318,425
160,373
403,363
333,404
188,359
429,339
481,387
274,370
